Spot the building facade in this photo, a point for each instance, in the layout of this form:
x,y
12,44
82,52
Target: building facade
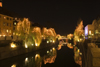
x,y
89,30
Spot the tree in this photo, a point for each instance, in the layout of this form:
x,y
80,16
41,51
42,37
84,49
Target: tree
x,y
78,31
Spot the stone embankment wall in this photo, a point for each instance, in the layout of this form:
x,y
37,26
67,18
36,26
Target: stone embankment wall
x,y
90,54
7,51
13,38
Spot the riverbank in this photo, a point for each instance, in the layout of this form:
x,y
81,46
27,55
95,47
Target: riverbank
x,y
7,51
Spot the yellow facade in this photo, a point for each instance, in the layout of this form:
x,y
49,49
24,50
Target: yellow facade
x,y
6,25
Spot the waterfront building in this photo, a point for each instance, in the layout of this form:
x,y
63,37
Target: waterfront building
x,y
8,21
89,31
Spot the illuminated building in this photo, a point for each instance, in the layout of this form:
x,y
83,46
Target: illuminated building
x,y
7,21
89,30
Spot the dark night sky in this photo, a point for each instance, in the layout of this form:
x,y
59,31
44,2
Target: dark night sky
x,y
61,15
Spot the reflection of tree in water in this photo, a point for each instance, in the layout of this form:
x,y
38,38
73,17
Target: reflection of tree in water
x,y
59,47
50,57
77,56
69,45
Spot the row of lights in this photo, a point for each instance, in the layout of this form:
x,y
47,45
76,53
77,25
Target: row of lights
x,y
36,56
51,41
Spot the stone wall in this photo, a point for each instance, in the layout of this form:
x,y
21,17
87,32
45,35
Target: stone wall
x,y
91,56
7,52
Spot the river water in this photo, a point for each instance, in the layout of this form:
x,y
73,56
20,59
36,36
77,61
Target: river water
x,y
61,56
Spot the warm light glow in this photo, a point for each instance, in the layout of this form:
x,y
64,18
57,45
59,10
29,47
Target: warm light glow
x,y
4,35
78,40
13,33
47,41
36,44
13,65
0,4
50,40
53,41
14,23
26,45
7,31
53,48
32,44
13,45
80,53
0,35
47,51
78,50
90,32
37,56
26,59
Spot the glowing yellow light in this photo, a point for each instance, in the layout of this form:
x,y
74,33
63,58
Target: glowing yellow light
x,y
26,59
53,48
80,53
7,31
0,4
78,40
47,51
37,56
13,33
32,44
36,44
78,50
13,45
4,35
90,32
26,45
53,41
42,35
47,41
13,65
0,35
50,40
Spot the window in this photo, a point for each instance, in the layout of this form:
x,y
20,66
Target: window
x,y
4,24
10,19
90,32
10,24
7,24
14,28
7,18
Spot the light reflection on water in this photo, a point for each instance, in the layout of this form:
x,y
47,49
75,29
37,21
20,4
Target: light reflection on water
x,y
49,56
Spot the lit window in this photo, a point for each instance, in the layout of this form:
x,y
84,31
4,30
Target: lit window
x,y
90,32
96,31
15,23
7,31
0,4
4,17
13,33
10,31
